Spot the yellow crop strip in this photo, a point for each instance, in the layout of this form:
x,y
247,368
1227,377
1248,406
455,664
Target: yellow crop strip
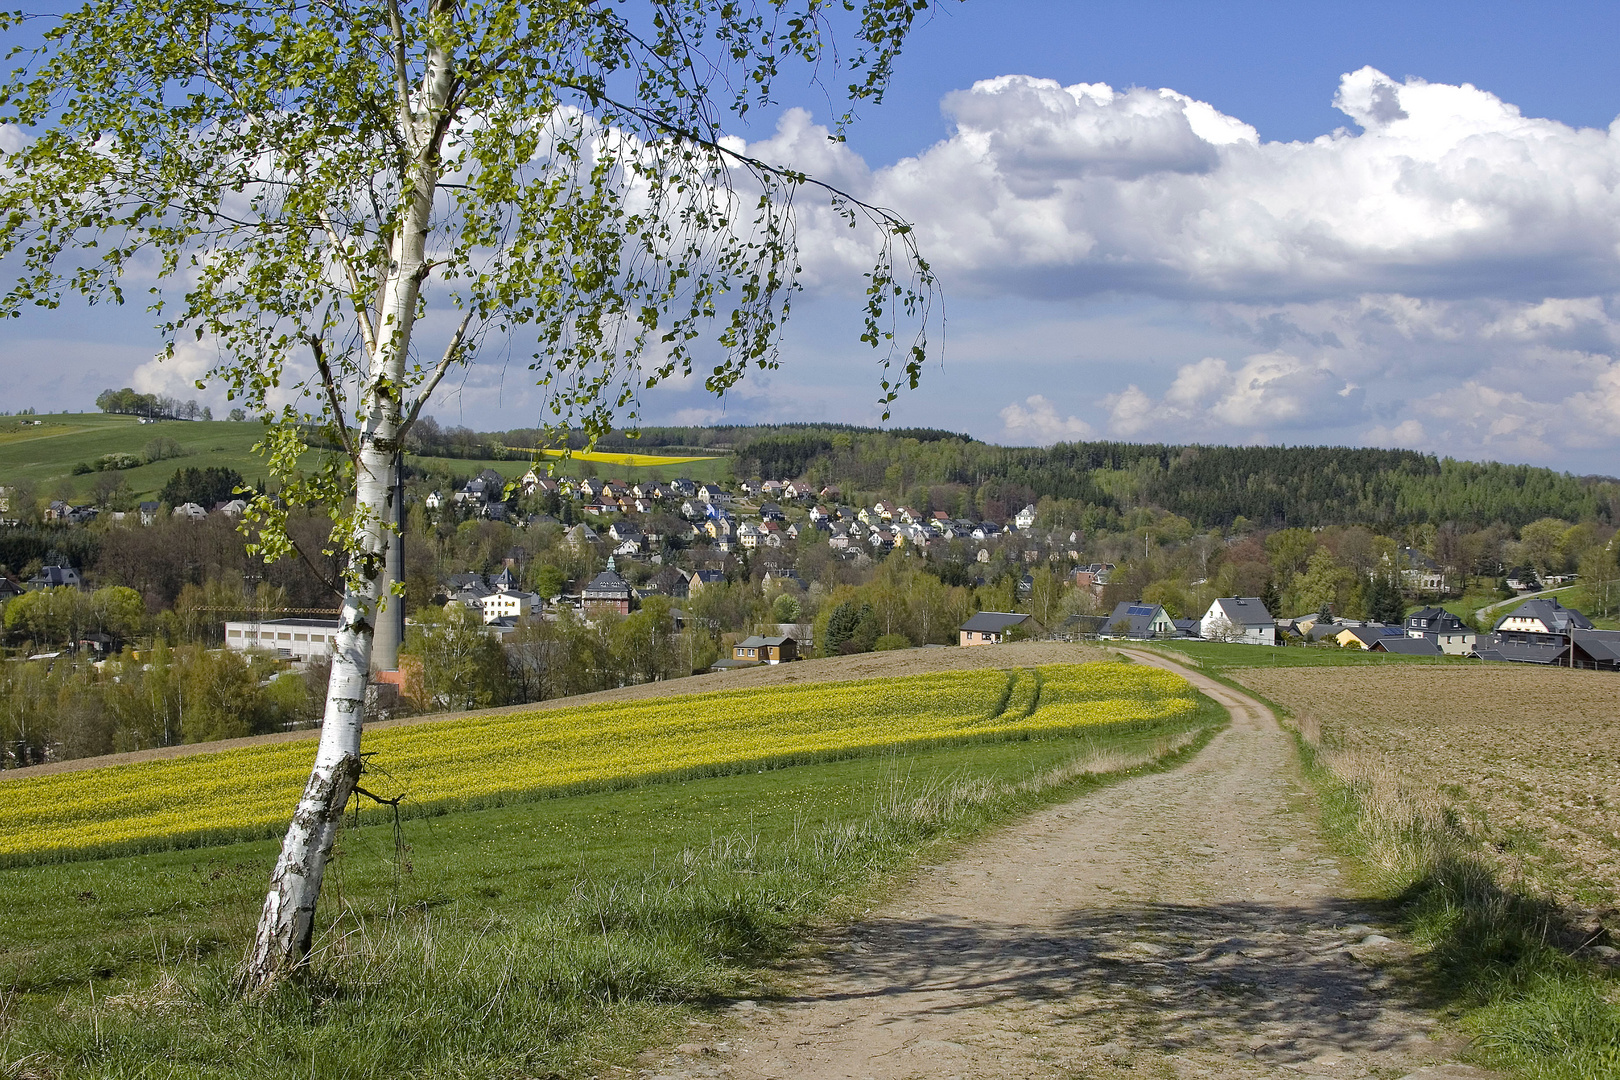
x,y
484,760
633,461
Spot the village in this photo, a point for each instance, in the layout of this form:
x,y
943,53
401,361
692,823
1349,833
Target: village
x,y
769,518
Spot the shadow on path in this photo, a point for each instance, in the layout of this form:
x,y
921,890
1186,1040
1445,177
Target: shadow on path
x,y
1172,976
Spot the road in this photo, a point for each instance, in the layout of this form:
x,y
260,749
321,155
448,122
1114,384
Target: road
x,y
1185,923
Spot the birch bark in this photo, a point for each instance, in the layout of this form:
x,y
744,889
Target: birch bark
x,y
287,921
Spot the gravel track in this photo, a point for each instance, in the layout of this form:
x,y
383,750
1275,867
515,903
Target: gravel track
x,y
1189,923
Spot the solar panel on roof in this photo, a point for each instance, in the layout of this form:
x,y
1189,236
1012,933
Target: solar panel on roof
x,y
1138,609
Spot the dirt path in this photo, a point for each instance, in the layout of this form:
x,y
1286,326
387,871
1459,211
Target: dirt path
x,y
1183,924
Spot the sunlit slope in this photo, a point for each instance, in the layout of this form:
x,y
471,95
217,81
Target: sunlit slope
x,y
486,760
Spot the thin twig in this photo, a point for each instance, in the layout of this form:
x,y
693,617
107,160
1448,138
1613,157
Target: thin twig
x,y
438,373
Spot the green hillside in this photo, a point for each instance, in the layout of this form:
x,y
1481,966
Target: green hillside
x,y
44,455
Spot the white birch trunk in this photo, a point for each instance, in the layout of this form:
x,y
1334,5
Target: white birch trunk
x,y
287,922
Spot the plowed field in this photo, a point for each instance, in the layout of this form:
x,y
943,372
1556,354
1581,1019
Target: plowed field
x,y
1529,757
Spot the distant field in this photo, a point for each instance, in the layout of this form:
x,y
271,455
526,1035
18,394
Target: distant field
x,y
1219,657
608,466
1525,755
45,455
634,461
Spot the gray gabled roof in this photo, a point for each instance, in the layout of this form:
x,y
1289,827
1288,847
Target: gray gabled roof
x,y
1407,646
758,642
1245,611
1553,615
993,622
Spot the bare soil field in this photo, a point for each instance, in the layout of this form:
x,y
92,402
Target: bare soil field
x,y
878,665
1527,756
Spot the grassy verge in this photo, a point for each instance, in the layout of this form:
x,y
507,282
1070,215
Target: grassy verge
x,y
1214,658
546,939
1503,961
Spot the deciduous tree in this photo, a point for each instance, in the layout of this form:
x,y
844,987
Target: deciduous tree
x,y
334,185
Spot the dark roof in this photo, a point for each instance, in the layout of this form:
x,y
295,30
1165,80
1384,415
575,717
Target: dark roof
x,y
1553,615
993,622
1602,646
1371,635
1245,610
1134,619
1523,648
757,641
1407,646
608,585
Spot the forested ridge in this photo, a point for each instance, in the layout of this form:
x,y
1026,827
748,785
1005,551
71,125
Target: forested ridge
x,y
1272,486
1264,486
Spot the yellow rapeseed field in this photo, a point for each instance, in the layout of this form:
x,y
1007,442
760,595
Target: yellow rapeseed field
x,y
486,760
636,461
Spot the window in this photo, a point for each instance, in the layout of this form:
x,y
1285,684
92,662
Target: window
x,y
234,633
284,637
300,637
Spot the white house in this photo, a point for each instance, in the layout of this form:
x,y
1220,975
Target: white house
x,y
1026,518
507,604
1241,619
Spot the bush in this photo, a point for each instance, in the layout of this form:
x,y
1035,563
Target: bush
x,y
81,468
889,642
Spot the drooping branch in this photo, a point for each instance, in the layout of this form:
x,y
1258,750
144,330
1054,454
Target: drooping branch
x,y
451,351
329,384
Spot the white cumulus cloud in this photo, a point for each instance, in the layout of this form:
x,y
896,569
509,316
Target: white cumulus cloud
x,y
1036,420
1044,189
1267,392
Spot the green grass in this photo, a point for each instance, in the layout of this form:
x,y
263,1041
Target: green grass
x,y
554,938
45,455
1215,657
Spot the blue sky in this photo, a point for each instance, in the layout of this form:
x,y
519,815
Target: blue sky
x,y
1370,223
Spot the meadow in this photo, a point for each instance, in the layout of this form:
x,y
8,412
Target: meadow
x,y
1221,658
553,937
45,455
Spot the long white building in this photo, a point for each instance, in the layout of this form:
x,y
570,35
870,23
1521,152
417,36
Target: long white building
x,y
301,639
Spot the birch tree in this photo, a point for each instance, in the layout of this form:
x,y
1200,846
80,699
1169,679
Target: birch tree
x,y
346,200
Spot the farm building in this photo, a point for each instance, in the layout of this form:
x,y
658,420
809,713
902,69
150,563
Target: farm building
x,y
1543,615
1406,646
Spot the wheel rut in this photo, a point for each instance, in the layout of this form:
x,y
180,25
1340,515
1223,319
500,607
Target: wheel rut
x,y
1189,923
